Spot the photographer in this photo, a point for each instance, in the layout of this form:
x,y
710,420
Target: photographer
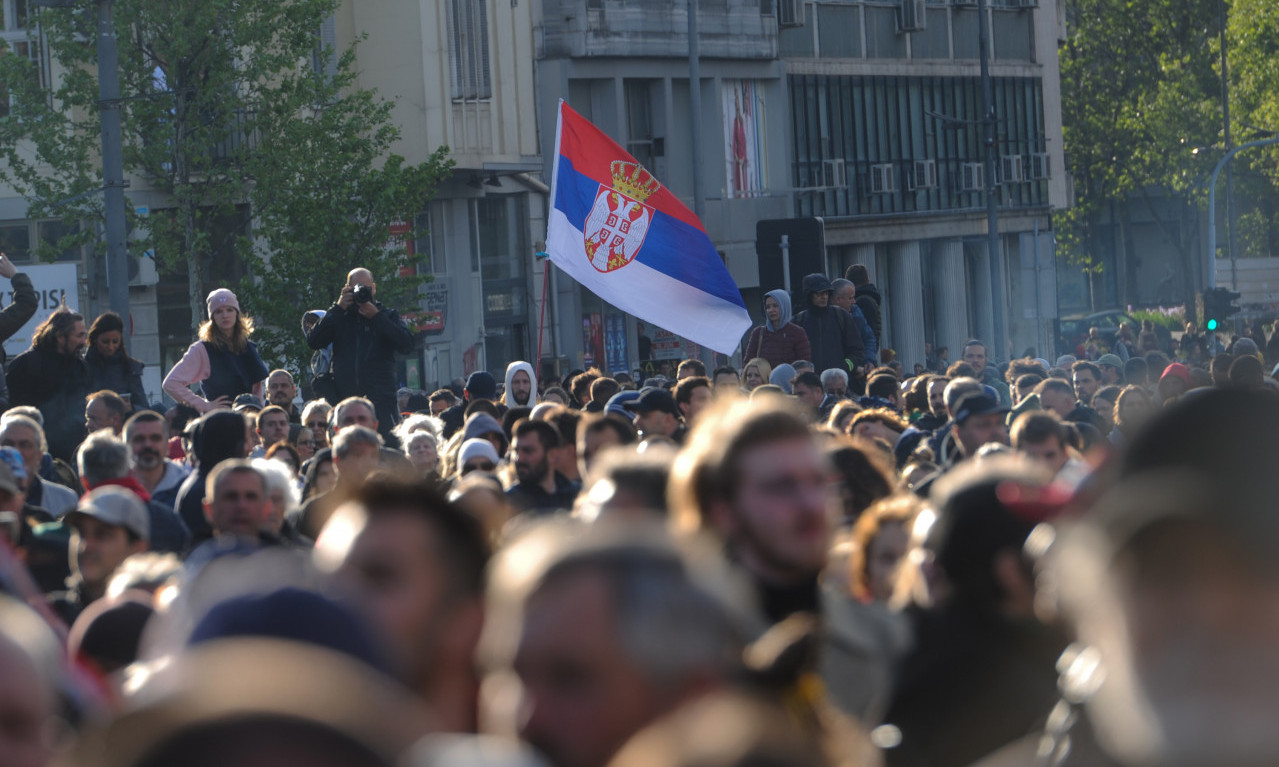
x,y
365,336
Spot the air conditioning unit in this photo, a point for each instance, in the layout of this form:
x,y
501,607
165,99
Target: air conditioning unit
x,y
1011,170
912,16
1040,167
834,174
883,179
142,270
790,13
1028,3
965,3
972,177
923,174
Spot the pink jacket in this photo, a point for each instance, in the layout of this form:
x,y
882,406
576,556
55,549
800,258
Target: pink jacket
x,y
191,369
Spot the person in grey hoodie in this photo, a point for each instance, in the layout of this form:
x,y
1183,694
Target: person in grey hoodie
x,y
778,340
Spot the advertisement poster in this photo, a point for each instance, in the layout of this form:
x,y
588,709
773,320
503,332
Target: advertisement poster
x,y
430,319
54,284
744,131
592,339
615,343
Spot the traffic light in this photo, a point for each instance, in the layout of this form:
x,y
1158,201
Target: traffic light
x,y
1219,304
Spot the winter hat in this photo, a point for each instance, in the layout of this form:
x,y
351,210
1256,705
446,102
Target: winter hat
x,y
1245,347
477,448
220,298
480,424
482,385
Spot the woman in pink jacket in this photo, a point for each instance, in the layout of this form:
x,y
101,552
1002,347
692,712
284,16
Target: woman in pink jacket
x,y
224,361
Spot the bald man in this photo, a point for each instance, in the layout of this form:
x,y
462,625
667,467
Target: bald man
x,y
365,336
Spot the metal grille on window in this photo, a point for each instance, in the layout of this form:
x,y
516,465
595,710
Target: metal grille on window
x,y
471,77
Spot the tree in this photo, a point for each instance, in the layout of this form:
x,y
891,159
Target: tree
x,y
1139,93
233,111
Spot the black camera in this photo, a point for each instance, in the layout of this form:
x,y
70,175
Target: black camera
x,y
363,294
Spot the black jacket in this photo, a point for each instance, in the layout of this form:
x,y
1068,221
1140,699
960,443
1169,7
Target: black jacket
x,y
57,384
868,300
20,309
363,349
218,437
119,373
833,336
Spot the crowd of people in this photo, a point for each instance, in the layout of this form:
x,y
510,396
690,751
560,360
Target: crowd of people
x,y
811,560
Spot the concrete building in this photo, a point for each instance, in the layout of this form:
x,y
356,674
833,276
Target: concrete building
x,y
888,152
623,64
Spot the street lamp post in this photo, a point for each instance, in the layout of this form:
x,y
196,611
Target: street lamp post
x,y
112,157
1210,260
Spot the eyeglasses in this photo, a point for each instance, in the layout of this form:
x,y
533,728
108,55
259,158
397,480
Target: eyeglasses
x,y
478,466
306,443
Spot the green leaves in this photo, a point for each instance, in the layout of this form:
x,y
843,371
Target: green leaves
x,y
224,106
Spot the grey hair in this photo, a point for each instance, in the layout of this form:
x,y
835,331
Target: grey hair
x,y
840,283
278,477
10,418
102,456
351,436
29,411
336,416
418,422
670,625
316,405
830,374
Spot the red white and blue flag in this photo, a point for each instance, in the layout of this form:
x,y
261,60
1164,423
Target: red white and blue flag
x,y
616,230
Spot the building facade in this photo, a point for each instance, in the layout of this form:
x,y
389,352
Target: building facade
x,y
888,150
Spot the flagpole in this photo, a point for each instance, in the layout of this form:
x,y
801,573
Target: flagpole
x,y
541,319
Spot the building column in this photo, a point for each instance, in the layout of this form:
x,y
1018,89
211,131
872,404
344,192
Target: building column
x,y
949,282
983,301
906,303
865,254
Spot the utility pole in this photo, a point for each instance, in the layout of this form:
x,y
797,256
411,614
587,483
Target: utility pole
x,y
695,106
1231,232
113,165
112,158
1000,341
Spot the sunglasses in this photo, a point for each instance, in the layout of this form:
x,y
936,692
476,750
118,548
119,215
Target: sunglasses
x,y
478,466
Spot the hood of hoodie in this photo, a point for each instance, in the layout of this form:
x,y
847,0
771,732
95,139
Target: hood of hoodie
x,y
783,300
480,424
218,437
814,283
511,370
782,376
317,312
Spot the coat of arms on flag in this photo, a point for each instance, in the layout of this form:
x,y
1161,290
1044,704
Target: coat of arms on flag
x,y
619,219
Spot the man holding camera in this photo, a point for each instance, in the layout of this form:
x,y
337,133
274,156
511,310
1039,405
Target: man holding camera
x,y
365,336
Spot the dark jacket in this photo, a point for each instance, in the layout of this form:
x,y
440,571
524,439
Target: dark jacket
x,y
533,500
20,309
218,436
57,384
119,373
363,350
831,332
869,301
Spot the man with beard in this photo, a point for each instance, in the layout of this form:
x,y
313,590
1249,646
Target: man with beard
x,y
540,489
53,377
147,436
521,385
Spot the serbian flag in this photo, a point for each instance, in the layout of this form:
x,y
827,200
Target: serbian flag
x,y
616,230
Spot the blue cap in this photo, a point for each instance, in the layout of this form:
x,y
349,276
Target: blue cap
x,y
617,403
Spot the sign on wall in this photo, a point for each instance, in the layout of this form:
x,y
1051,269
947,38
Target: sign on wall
x,y
55,284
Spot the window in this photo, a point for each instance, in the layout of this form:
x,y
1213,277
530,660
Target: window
x,y
471,50
22,42
429,230
324,60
